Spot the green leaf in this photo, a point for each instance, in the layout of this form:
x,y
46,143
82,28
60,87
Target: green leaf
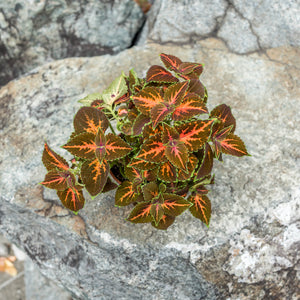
x,y
116,90
89,99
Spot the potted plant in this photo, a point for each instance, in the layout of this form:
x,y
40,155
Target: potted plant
x,y
155,137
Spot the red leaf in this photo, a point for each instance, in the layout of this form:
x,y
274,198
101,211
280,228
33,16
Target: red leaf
x,y
71,198
89,119
233,145
125,194
159,74
116,147
206,163
147,98
171,62
59,180
52,160
140,213
201,208
190,107
94,175
195,134
152,150
82,145
174,205
174,94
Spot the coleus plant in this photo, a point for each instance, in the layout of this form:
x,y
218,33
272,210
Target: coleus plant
x,y
155,137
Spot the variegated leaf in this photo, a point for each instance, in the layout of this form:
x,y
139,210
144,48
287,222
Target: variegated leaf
x,y
89,119
177,153
191,106
133,174
159,112
142,164
149,131
206,163
191,166
164,223
174,94
139,124
233,145
116,147
109,185
82,145
197,87
150,191
174,205
201,208
147,98
141,213
59,180
171,62
71,198
94,175
187,68
224,114
169,134
159,74
152,150
167,172
52,160
125,194
156,212
195,134
100,141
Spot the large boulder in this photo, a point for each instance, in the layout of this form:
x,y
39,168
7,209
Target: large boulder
x,y
250,249
34,32
245,26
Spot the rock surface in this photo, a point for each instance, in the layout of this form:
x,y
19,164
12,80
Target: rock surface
x,y
245,26
33,32
250,249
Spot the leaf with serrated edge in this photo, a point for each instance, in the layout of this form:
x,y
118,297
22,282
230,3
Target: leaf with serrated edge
x,y
52,160
156,212
142,164
233,145
224,114
174,205
159,112
207,162
195,134
174,94
82,145
94,175
222,134
150,191
116,147
164,223
167,172
58,180
169,134
71,198
201,208
191,166
116,90
89,119
146,99
125,194
133,174
149,131
140,213
191,106
152,150
159,74
89,99
139,124
171,62
177,154
197,87
187,67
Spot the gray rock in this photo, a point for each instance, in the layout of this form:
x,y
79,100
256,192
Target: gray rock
x,y
250,249
39,287
245,26
34,32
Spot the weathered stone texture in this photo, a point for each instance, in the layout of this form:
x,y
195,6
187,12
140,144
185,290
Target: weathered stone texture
x,y
250,249
245,26
34,32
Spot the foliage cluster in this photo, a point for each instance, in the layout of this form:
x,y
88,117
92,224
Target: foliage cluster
x,y
155,136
